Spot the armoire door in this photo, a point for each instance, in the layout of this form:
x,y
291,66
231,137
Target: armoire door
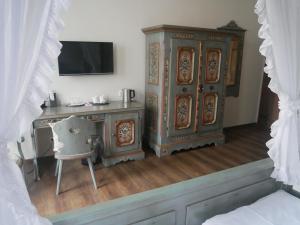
x,y
214,55
183,83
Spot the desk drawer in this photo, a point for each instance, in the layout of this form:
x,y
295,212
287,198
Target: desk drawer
x,y
95,117
45,122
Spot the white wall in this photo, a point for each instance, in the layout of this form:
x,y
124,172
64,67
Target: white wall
x,y
121,21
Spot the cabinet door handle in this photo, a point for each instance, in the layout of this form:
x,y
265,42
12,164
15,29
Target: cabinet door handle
x,y
201,88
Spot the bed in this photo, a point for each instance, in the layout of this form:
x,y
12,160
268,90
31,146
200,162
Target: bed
x,y
278,208
192,202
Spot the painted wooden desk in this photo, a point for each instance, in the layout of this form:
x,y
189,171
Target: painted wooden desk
x,y
119,124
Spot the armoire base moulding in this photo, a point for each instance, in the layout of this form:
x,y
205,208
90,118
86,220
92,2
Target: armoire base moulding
x,y
217,138
115,158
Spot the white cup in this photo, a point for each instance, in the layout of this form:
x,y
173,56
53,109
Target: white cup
x,y
96,99
102,99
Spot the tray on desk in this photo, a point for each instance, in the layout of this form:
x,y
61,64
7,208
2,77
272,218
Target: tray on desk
x,y
95,104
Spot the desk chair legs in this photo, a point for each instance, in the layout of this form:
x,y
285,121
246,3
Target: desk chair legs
x,y
60,164
58,170
56,167
22,158
92,172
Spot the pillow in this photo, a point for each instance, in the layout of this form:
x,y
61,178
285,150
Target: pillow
x,y
278,208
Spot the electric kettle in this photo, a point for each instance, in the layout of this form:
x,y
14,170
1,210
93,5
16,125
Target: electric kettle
x,y
127,95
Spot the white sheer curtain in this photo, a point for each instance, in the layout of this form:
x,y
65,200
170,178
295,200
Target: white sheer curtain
x,y
280,20
28,51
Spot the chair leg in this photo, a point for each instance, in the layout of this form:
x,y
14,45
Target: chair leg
x,y
60,162
56,167
92,172
36,169
22,158
24,174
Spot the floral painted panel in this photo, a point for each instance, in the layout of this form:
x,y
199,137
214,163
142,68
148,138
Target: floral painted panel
x,y
233,60
183,111
213,65
185,65
209,113
152,110
153,77
125,130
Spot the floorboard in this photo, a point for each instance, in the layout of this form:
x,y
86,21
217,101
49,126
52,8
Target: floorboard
x,y
243,144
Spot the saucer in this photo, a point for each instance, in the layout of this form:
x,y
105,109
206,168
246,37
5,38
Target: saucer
x,y
103,103
75,104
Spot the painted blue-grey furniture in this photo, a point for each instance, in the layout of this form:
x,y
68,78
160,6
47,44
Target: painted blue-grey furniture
x,y
73,138
235,58
119,125
185,69
189,202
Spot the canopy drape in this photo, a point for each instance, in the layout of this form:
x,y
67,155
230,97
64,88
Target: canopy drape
x,y
280,29
29,48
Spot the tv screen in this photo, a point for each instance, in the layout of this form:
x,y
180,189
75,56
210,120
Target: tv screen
x,y
85,58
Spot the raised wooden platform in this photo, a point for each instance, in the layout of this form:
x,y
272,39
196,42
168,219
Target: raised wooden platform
x,y
244,144
189,202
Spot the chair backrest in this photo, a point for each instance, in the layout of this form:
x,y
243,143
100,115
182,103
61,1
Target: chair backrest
x,y
74,134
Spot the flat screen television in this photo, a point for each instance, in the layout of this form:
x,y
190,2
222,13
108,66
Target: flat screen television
x,y
85,58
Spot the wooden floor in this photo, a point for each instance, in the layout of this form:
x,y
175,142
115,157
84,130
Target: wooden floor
x,y
243,144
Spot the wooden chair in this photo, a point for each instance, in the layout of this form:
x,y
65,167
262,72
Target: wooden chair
x,y
72,140
21,159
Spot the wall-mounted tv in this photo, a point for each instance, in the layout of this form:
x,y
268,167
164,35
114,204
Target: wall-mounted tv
x,y
85,58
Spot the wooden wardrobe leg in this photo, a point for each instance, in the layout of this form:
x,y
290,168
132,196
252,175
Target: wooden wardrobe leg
x,y
60,162
92,172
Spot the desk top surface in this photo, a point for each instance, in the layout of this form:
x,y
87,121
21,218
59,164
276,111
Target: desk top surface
x,y
114,106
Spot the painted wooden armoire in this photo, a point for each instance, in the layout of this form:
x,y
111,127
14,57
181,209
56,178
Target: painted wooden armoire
x,y
185,68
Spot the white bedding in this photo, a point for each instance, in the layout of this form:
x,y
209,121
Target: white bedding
x,y
279,208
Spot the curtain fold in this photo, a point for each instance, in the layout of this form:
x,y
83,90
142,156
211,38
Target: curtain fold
x,y
29,48
280,29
